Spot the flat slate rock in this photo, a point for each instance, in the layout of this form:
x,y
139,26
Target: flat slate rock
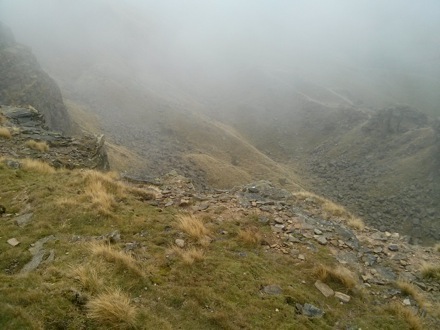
x,y
272,289
23,219
13,241
324,289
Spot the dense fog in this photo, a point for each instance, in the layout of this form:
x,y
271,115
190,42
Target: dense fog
x,y
210,48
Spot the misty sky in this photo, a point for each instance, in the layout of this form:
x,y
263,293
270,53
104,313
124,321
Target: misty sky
x,y
213,37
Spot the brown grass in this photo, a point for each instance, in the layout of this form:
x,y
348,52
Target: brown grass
x,y
334,210
113,310
411,290
100,197
89,278
330,209
338,274
103,190
356,223
142,193
5,133
189,256
430,271
250,236
39,146
2,119
413,321
123,260
34,165
194,227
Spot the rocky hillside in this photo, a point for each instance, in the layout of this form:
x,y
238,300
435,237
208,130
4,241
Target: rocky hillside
x,y
24,134
103,252
24,83
385,169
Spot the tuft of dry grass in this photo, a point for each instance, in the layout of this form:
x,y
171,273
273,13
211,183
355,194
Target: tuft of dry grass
x,y
113,310
194,227
39,146
437,247
303,195
355,223
5,133
430,271
250,236
411,290
103,189
100,197
189,256
330,209
334,210
89,278
123,260
414,322
38,166
338,274
141,193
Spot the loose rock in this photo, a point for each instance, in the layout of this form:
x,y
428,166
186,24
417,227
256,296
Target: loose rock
x,y
324,289
13,241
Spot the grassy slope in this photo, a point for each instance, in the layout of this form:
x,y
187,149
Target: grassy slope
x,y
162,290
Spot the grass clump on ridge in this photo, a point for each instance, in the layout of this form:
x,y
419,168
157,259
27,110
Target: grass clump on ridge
x,y
337,274
413,321
410,290
330,209
250,236
33,165
5,133
431,271
190,255
123,260
195,228
113,309
104,190
39,146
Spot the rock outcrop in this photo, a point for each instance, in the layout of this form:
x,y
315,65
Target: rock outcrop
x,y
28,124
24,83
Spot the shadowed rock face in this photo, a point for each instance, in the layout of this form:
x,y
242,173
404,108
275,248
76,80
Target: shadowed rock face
x,y
26,124
24,83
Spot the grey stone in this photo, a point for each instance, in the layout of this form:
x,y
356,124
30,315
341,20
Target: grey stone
x,y
324,289
180,242
393,247
13,241
34,263
272,289
312,311
317,231
13,164
23,219
322,240
114,237
253,190
38,245
342,297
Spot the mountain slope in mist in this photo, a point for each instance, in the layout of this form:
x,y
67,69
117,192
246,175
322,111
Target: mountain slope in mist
x,y
228,92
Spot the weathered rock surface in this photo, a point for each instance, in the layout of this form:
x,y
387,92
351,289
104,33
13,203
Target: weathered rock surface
x,y
24,83
29,124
